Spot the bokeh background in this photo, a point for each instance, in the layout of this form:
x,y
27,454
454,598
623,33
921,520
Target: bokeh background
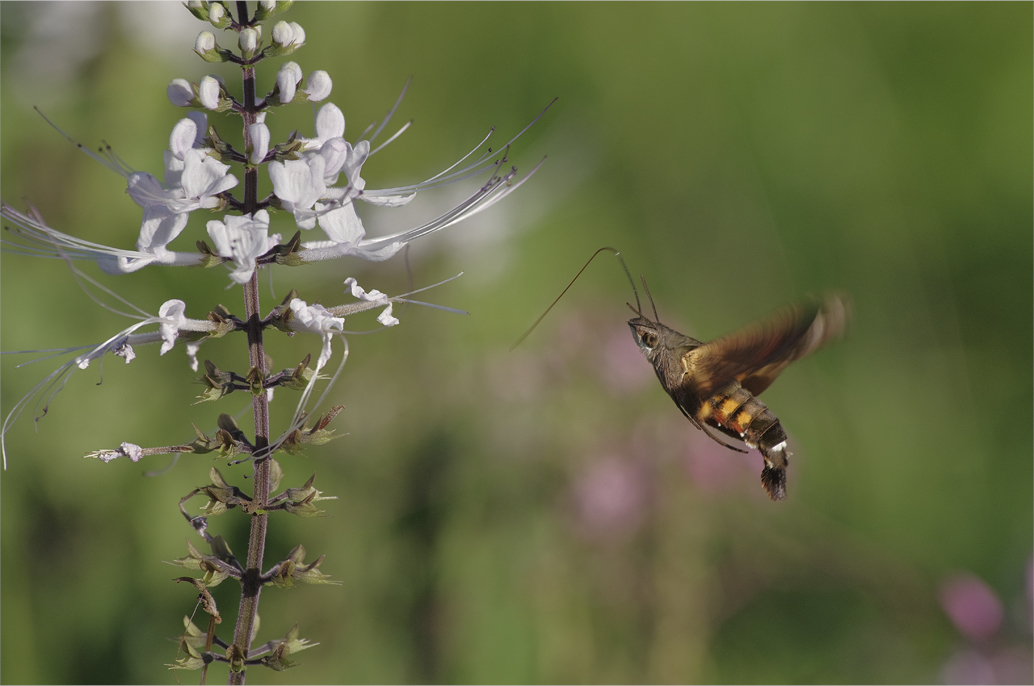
x,y
546,514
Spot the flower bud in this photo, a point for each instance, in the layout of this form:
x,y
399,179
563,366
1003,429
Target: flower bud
x,y
259,141
330,122
267,8
198,9
181,93
299,34
283,34
287,79
208,93
217,16
207,49
205,41
183,137
318,86
248,42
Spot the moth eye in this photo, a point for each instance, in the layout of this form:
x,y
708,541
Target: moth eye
x,y
649,339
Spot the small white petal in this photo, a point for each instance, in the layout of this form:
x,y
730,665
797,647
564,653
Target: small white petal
x,y
208,92
215,12
359,293
172,318
180,93
385,317
354,165
342,225
298,184
205,177
316,319
335,152
159,227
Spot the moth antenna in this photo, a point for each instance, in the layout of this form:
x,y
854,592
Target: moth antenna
x,y
631,282
543,315
646,288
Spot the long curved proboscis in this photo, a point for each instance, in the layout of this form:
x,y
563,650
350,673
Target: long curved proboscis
x,y
603,249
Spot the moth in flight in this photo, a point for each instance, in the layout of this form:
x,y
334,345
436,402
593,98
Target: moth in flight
x,y
715,384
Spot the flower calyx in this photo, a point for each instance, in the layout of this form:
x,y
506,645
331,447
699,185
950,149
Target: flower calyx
x,y
291,570
293,443
298,501
215,569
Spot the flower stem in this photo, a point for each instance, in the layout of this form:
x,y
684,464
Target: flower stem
x,y
251,585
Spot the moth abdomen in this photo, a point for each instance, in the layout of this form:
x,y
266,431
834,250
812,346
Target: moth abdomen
x,y
736,412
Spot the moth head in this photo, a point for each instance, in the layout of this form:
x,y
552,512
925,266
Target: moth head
x,y
646,333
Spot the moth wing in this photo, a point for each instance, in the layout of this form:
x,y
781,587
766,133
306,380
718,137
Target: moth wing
x,y
756,354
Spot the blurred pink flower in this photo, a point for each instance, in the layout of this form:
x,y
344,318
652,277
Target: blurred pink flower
x,y
968,667
971,666
973,607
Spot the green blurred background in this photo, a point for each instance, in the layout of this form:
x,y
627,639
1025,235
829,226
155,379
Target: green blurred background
x,y
546,514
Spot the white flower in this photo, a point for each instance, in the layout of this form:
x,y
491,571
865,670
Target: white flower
x,y
44,241
316,319
242,239
298,184
166,207
318,86
208,92
193,180
310,196
180,93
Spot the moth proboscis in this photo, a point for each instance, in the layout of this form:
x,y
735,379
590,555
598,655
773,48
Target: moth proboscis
x,y
715,384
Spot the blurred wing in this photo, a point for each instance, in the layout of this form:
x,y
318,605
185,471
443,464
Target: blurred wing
x,y
756,354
